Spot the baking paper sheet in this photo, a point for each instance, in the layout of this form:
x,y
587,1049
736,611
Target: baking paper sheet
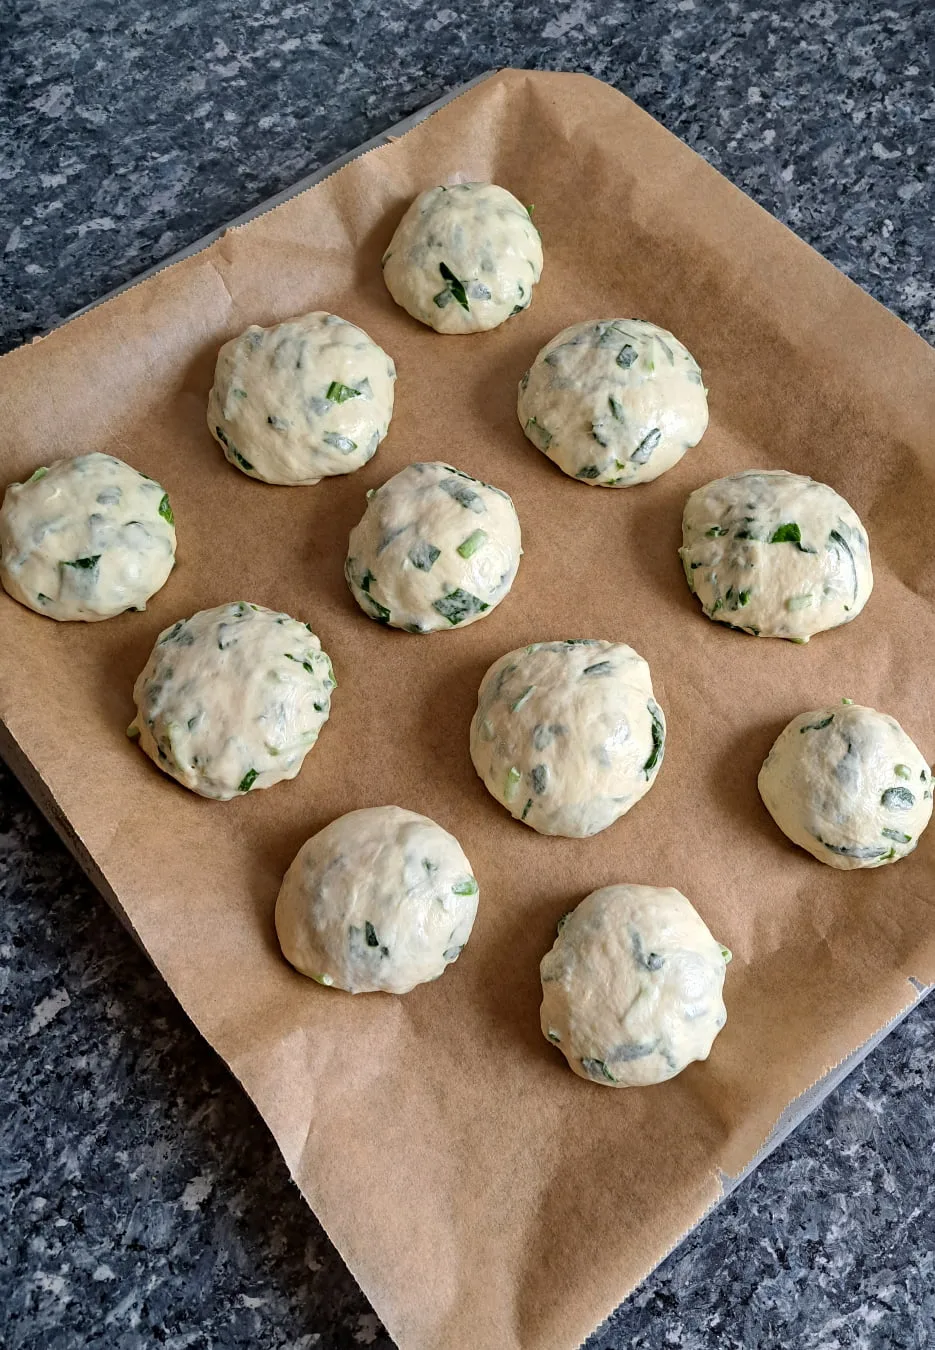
x,y
483,1196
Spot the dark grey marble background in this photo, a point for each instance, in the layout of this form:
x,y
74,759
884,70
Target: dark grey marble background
x,y
142,1203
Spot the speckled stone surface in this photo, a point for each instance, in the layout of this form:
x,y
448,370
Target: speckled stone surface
x,y
142,1202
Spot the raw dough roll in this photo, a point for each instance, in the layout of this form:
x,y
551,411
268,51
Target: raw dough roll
x,y
847,784
232,699
632,988
435,548
86,538
379,899
464,258
613,403
775,554
567,735
301,401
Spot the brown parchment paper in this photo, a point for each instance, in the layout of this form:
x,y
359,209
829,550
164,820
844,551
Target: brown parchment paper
x,y
482,1195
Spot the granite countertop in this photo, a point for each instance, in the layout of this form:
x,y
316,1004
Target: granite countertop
x,y
142,1202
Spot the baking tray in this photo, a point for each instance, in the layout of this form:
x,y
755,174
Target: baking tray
x,y
802,1106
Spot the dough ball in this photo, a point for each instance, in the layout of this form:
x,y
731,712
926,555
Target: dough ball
x,y
613,403
232,699
632,988
567,735
775,554
434,548
464,258
301,401
379,899
86,538
847,784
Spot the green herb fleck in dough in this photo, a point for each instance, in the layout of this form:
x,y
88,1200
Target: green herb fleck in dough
x,y
377,611
84,564
599,668
43,599
796,602
589,471
463,495
512,783
727,954
538,434
904,771
424,556
596,1068
246,783
371,934
659,738
599,436
786,534
865,852
563,920
715,532
454,287
326,980
466,887
518,702
554,1037
897,836
848,702
818,726
646,446
452,953
340,393
459,605
526,809
897,799
473,542
645,960
616,408
34,478
244,463
628,356
539,777
133,732
342,443
277,423
165,510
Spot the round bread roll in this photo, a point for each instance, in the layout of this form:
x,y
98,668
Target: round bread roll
x,y
632,988
301,401
379,899
435,548
775,554
464,258
232,699
86,538
847,784
567,735
613,403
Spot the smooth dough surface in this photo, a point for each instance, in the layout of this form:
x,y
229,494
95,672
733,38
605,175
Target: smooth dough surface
x,y
847,784
86,538
613,403
380,899
567,735
776,554
632,988
301,401
464,258
435,548
232,699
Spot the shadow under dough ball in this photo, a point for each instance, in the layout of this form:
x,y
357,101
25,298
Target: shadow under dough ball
x,y
614,402
304,400
232,699
775,554
435,549
632,988
464,258
567,735
86,539
847,784
380,899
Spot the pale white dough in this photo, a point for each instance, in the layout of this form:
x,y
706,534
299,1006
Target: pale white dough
x,y
775,554
380,899
613,402
567,735
435,548
463,258
301,401
232,699
632,988
847,784
86,538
